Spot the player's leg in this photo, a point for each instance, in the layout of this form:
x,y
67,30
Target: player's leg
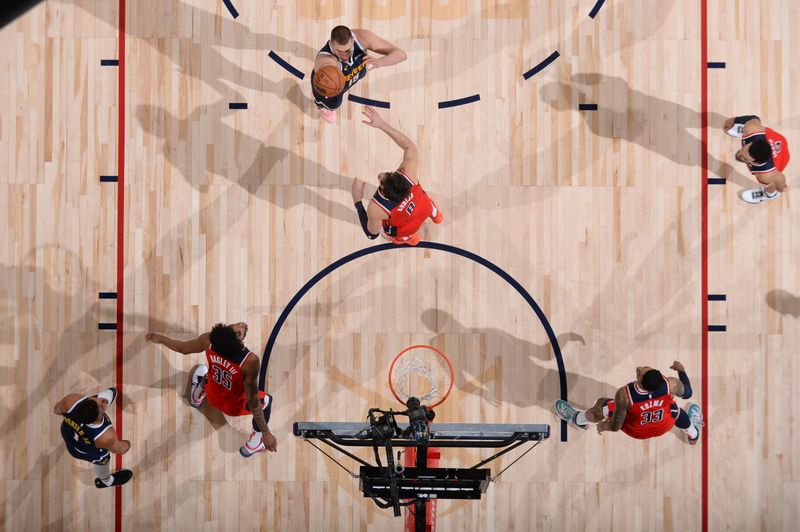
x,y
102,473
327,106
690,422
255,443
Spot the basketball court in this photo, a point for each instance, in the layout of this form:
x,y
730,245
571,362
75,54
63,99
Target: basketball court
x,y
166,169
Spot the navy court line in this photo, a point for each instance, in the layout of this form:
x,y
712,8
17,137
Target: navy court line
x,y
230,7
108,295
596,8
282,62
717,180
273,336
240,105
587,107
460,101
107,326
711,64
541,66
717,328
717,297
368,101
108,179
109,62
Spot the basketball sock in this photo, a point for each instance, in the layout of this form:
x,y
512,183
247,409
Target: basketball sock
x,y
103,472
580,418
773,195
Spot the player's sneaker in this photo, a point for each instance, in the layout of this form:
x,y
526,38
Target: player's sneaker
x,y
198,395
117,479
327,115
109,394
736,131
696,415
568,413
757,195
437,216
253,445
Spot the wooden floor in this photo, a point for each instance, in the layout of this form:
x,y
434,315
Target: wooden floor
x,y
228,213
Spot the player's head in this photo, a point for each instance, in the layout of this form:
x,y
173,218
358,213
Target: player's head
x,y
757,152
648,378
394,185
89,411
227,339
342,42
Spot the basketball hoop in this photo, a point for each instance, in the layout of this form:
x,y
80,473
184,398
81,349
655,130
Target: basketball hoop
x,y
423,372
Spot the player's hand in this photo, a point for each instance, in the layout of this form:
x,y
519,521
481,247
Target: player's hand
x,y
270,442
603,426
153,338
372,63
126,445
358,190
677,366
728,124
371,117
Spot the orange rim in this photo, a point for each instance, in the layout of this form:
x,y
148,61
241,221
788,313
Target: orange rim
x,y
449,365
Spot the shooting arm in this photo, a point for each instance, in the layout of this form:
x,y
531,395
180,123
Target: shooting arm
x,y
198,345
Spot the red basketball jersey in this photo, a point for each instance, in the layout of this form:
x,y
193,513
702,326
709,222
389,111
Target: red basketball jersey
x,y
780,148
225,385
408,215
651,413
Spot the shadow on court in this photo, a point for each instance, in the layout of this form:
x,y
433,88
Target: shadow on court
x,y
783,302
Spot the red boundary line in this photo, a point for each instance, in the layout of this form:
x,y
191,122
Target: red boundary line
x,y
704,237
120,249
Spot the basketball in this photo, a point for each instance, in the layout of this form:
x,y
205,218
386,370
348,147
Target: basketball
x,y
329,81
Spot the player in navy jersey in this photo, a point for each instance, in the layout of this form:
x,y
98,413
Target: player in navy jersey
x,y
400,206
89,435
642,409
347,49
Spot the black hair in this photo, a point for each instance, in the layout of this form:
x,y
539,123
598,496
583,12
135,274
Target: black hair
x,y
651,380
224,341
86,412
341,35
395,186
760,151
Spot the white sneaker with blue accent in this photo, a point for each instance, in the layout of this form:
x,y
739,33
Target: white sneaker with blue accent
x,y
109,394
696,415
568,413
757,195
198,395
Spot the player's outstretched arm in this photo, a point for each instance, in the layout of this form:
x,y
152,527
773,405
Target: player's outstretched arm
x,y
188,347
391,53
250,371
109,440
680,386
410,155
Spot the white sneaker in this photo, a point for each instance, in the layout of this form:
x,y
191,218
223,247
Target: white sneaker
x,y
757,195
736,131
109,394
696,415
568,413
253,445
198,395
327,115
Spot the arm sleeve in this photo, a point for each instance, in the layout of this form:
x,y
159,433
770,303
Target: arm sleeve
x,y
362,217
744,119
687,387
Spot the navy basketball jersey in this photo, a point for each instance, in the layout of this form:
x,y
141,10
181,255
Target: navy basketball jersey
x,y
80,437
353,70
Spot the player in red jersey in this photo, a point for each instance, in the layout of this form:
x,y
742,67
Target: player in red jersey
x,y
766,154
233,384
400,206
642,409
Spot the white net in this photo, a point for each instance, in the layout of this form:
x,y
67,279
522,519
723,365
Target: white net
x,y
422,372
